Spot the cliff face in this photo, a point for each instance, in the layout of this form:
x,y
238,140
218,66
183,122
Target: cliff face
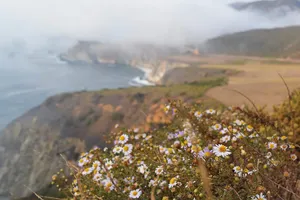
x,y
67,124
150,57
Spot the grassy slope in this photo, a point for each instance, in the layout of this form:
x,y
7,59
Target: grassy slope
x,y
89,115
279,42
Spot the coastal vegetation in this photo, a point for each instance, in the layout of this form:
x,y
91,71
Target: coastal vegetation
x,y
232,153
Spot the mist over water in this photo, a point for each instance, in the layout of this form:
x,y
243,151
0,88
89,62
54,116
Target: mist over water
x,y
27,80
33,32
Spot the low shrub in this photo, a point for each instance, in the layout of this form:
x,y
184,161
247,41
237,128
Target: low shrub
x,y
235,154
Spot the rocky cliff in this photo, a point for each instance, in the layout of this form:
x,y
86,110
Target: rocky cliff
x,y
67,124
149,57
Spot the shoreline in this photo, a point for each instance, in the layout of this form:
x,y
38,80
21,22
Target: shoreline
x,y
142,81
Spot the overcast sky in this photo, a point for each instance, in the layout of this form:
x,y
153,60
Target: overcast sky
x,y
161,21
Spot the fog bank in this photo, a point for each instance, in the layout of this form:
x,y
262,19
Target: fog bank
x,y
148,21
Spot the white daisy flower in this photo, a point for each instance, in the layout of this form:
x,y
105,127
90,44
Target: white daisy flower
x,y
87,171
142,168
294,157
83,161
127,159
137,137
123,139
253,135
173,182
162,149
237,169
224,131
153,183
240,135
163,183
167,108
105,149
135,194
269,155
97,177
75,189
84,154
260,196
108,184
221,150
117,149
225,139
159,170
109,164
217,127
91,155
272,145
198,114
234,139
148,137
127,149
76,194
96,165
284,147
169,161
144,135
250,172
210,111
136,130
238,122
249,128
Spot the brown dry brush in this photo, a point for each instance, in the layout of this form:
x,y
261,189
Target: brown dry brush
x,y
277,177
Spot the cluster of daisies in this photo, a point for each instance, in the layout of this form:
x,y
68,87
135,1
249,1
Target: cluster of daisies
x,y
165,163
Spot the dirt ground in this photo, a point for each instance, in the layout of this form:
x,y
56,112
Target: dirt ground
x,y
260,82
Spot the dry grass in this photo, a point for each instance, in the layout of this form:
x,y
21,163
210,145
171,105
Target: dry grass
x,y
260,82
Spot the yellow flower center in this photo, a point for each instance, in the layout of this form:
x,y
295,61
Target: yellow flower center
x,y
283,137
86,170
173,180
238,168
207,154
125,148
122,138
134,193
109,184
95,165
260,198
250,127
272,145
222,148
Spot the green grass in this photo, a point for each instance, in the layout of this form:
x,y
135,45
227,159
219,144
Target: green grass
x,y
192,90
276,62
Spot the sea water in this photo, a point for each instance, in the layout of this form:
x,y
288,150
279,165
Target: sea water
x,y
26,80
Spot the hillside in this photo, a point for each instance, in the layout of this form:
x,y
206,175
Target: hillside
x,y
67,124
278,42
153,58
275,8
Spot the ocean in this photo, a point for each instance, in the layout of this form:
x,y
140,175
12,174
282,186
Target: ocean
x,y
26,80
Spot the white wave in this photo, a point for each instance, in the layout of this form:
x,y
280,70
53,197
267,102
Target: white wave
x,y
138,81
20,92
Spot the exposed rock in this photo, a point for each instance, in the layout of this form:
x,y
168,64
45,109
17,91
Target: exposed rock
x,y
66,124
